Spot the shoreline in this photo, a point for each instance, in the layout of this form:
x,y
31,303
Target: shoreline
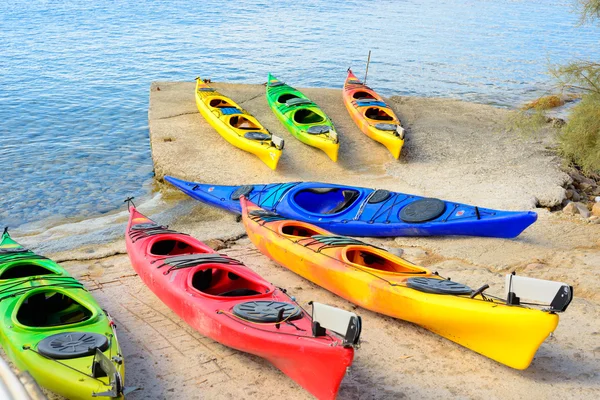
x,y
397,359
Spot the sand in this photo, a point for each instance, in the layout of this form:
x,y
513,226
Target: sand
x,y
455,150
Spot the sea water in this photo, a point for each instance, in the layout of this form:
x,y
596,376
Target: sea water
x,y
75,75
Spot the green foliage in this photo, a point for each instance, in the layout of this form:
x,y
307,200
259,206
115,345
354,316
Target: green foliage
x,y
589,10
580,137
580,75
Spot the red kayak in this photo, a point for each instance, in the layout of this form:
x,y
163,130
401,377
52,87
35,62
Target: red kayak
x,y
226,301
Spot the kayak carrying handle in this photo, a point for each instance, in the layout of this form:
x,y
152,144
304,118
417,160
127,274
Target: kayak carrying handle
x,y
129,201
5,230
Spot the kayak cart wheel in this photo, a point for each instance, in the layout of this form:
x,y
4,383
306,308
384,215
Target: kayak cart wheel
x,y
422,210
72,345
244,190
437,286
266,311
378,196
145,225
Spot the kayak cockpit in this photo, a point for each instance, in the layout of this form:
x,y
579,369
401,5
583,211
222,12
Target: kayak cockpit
x,y
219,281
299,230
49,307
326,200
220,102
379,260
174,247
25,270
378,114
283,99
307,116
362,95
241,122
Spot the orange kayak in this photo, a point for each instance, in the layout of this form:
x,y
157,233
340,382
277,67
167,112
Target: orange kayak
x,y
372,115
382,282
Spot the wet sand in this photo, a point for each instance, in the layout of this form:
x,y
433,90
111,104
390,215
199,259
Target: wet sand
x,y
456,151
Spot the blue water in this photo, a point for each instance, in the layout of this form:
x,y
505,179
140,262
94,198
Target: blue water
x,y
75,75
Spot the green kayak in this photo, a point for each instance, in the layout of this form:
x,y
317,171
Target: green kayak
x,y
303,118
54,329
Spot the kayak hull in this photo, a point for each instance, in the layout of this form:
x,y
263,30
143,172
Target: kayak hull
x,y
232,123
367,109
363,218
20,340
312,117
211,314
507,334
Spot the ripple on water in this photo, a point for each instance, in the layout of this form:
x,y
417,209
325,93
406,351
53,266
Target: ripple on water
x,y
75,75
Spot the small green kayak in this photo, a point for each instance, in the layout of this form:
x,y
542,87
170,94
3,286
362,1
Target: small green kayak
x,y
303,118
54,329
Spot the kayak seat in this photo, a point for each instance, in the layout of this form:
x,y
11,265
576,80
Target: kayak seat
x,y
202,279
360,95
307,116
326,200
378,114
349,197
239,292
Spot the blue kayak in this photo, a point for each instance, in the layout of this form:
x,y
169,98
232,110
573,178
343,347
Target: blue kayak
x,y
356,211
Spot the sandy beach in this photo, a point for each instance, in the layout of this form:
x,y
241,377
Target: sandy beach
x,y
456,151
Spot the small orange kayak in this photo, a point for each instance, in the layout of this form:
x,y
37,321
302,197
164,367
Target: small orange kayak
x,y
502,329
372,115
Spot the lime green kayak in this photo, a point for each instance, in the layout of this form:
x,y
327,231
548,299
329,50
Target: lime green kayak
x,y
54,329
303,118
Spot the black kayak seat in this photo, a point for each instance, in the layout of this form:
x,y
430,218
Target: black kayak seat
x,y
296,101
349,198
257,136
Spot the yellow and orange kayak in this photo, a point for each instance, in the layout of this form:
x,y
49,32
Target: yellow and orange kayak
x,y
372,115
236,125
377,280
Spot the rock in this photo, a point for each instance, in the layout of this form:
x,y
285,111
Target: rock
x,y
575,208
597,199
576,196
569,193
215,244
596,209
396,251
586,187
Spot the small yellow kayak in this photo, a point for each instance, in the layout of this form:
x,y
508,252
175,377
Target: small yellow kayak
x,y
236,125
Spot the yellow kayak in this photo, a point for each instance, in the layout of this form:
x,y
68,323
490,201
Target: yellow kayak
x,y
382,282
236,125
